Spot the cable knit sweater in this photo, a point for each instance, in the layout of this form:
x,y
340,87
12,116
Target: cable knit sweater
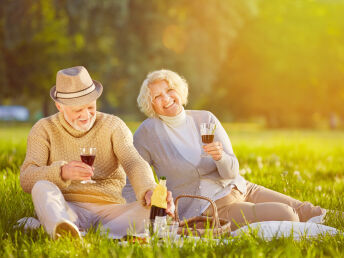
x,y
52,142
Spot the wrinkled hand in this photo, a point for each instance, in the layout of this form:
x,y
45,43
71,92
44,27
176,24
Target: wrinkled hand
x,y
214,149
76,170
169,199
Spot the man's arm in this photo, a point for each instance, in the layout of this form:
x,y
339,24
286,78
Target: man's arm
x,y
137,169
35,166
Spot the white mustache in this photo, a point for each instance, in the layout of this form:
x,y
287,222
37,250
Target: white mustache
x,y
89,117
83,128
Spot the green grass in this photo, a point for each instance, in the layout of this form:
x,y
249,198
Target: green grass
x,y
308,165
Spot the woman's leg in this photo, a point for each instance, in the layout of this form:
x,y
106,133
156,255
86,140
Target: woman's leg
x,y
242,213
234,208
259,194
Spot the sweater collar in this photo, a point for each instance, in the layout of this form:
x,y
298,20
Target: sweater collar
x,y
174,121
70,129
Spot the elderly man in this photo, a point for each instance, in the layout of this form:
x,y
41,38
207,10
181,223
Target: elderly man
x,y
53,172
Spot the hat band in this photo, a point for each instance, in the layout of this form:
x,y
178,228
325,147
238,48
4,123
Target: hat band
x,y
75,94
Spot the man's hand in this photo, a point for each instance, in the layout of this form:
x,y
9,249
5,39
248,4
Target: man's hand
x,y
76,170
169,199
214,149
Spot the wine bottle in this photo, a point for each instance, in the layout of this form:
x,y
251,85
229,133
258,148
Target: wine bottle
x,y
159,204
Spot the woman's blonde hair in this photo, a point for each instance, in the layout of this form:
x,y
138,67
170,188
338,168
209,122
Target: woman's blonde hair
x,y
174,81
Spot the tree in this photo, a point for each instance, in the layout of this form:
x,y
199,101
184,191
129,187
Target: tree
x,y
286,65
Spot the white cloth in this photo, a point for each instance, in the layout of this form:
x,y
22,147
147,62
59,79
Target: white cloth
x,y
269,230
51,208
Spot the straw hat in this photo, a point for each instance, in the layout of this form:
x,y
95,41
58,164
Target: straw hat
x,y
74,87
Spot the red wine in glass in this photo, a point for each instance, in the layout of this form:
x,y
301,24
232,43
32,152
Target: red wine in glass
x,y
88,159
88,155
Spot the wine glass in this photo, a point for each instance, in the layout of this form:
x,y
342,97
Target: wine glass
x,y
207,134
88,155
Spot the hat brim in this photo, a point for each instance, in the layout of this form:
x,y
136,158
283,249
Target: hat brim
x,y
79,101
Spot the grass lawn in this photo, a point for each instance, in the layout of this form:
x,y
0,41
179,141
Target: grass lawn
x,y
308,165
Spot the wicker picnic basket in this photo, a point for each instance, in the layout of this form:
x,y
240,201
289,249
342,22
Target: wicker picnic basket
x,y
197,226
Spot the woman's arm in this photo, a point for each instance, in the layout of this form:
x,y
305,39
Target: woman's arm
x,y
228,164
139,142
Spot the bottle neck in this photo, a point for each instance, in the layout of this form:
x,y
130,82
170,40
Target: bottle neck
x,y
162,182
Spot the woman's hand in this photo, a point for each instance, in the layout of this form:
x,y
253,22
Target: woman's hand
x,y
169,199
214,149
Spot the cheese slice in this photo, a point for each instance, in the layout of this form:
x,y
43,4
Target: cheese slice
x,y
159,196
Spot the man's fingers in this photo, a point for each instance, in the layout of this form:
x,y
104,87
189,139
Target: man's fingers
x,y
169,196
80,164
148,197
170,209
85,174
83,178
83,168
170,204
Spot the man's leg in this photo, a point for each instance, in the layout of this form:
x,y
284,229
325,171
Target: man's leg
x,y
118,218
53,211
259,194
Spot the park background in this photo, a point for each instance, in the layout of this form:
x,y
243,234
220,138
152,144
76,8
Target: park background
x,y
271,70
273,63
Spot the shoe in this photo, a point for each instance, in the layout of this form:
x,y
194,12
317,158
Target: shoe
x,y
65,228
28,223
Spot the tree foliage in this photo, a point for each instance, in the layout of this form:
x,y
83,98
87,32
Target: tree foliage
x,y
286,65
280,60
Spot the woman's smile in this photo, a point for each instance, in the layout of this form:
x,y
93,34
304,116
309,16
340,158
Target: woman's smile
x,y
165,100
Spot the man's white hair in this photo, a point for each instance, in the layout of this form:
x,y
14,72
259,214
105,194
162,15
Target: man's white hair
x,y
174,81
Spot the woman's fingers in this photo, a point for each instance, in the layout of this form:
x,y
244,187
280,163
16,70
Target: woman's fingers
x,y
214,149
213,146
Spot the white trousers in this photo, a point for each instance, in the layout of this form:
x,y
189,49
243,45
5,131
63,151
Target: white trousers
x,y
51,208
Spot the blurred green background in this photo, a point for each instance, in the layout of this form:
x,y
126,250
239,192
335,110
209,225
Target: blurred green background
x,y
276,63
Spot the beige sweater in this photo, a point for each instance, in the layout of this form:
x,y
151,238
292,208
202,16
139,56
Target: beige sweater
x,y
52,142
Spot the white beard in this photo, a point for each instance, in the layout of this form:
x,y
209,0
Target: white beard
x,y
84,128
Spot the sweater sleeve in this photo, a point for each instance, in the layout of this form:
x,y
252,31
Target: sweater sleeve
x,y
137,169
228,165
35,166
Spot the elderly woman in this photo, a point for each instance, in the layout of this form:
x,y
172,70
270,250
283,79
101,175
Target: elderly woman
x,y
170,141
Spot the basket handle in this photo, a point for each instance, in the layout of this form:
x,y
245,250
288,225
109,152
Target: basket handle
x,y
213,205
